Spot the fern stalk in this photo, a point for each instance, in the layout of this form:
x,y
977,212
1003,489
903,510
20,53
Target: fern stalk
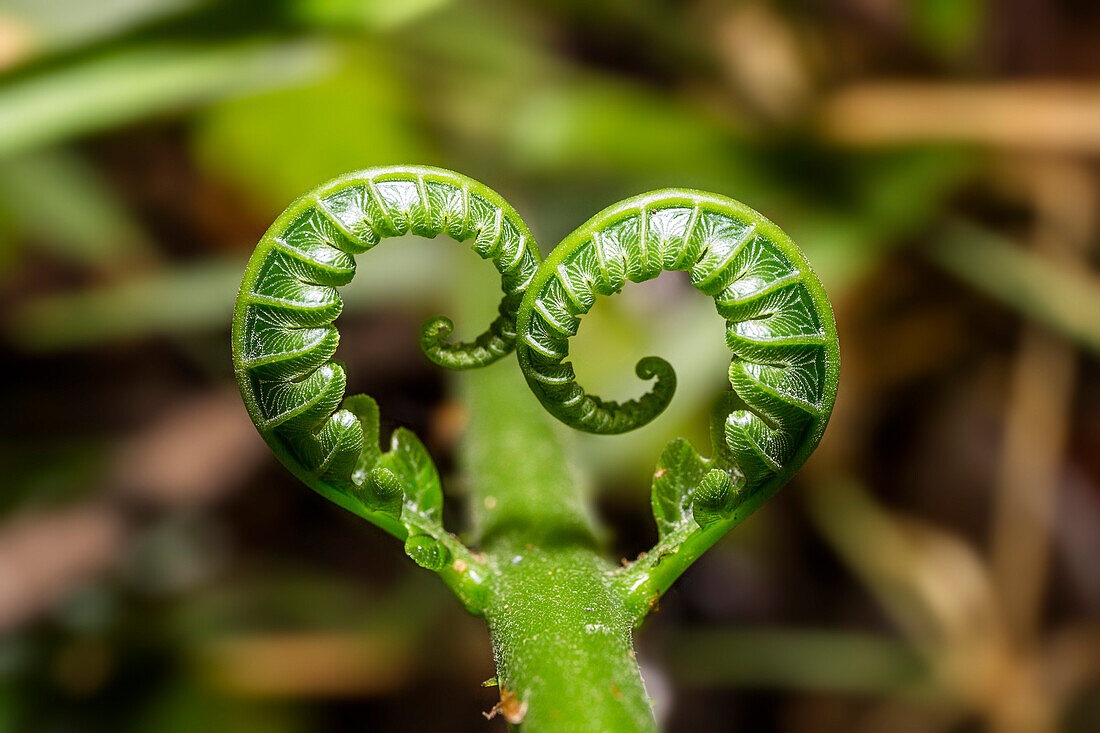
x,y
560,626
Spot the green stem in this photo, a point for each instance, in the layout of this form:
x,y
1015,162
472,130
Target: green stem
x,y
557,615
646,579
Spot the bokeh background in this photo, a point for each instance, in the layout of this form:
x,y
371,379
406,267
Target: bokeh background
x,y
936,565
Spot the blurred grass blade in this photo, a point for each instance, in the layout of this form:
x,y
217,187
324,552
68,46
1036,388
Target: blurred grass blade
x,y
179,300
54,25
199,297
1057,295
373,14
799,660
1042,115
56,200
94,94
932,583
948,28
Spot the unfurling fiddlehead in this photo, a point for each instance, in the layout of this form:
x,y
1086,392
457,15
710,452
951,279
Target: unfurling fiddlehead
x,y
779,330
284,338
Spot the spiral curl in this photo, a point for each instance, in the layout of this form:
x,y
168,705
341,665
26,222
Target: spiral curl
x,y
779,325
284,336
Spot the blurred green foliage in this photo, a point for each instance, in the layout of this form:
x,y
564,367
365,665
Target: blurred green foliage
x,y
145,146
359,114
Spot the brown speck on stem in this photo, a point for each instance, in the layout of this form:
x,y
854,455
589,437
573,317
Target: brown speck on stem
x,y
459,565
660,472
510,706
616,692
